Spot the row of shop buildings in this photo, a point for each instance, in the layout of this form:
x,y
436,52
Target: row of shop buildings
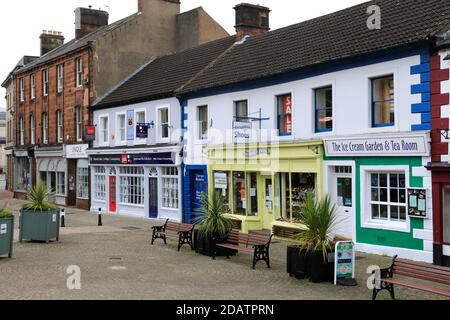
x,y
327,106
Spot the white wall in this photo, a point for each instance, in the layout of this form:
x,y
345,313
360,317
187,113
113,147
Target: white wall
x,y
351,103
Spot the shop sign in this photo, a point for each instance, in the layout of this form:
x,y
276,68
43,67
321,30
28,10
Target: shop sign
x,y
76,151
256,152
220,180
344,263
287,103
134,159
21,154
389,146
90,133
417,203
130,125
142,131
242,132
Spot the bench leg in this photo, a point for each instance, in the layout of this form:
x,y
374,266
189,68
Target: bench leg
x,y
392,292
261,254
185,238
384,286
154,236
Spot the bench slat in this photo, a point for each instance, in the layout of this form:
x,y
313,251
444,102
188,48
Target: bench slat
x,y
420,264
427,270
403,283
234,247
422,276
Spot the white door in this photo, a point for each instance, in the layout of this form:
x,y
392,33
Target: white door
x,y
342,189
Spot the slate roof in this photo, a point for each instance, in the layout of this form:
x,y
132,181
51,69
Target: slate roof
x,y
162,76
74,44
342,34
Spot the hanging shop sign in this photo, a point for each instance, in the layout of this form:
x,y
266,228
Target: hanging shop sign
x,y
345,264
130,125
76,151
242,132
417,203
90,133
220,180
387,146
134,159
142,131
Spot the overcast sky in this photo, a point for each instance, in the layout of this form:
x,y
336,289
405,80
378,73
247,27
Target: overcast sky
x,y
22,21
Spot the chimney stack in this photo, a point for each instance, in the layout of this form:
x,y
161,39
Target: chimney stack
x,y
88,20
50,40
251,20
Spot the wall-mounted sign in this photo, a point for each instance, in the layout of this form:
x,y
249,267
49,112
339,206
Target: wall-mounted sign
x,y
220,180
242,132
90,133
252,153
142,131
3,228
134,159
387,146
20,154
417,203
76,151
130,125
345,264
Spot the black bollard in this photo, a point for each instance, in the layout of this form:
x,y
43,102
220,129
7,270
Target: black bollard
x,y
63,218
100,223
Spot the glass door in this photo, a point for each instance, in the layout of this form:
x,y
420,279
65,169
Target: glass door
x,y
343,194
268,209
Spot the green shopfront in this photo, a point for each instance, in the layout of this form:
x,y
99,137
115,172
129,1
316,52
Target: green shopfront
x,y
383,193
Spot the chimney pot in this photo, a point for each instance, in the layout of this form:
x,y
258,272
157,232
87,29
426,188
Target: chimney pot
x,y
251,20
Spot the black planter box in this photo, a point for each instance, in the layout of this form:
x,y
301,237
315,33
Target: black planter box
x,y
309,264
205,246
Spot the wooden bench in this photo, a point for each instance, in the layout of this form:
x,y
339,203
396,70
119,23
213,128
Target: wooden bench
x,y
248,243
182,231
413,270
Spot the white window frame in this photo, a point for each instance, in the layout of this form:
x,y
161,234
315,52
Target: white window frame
x,y
101,131
21,90
139,141
45,82
79,71
171,178
159,123
119,141
131,175
45,128
33,86
99,179
60,78
366,210
60,184
85,183
198,135
60,126
79,123
22,130
32,129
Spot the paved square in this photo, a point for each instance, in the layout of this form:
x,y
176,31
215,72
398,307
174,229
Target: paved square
x,y
118,262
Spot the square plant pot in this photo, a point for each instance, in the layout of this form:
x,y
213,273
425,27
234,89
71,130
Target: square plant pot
x,y
6,236
39,225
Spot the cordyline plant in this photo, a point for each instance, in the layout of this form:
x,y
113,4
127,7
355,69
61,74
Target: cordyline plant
x,y
39,199
319,218
4,214
213,222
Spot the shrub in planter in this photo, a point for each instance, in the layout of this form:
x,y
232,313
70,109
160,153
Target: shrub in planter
x,y
213,226
315,243
39,219
6,233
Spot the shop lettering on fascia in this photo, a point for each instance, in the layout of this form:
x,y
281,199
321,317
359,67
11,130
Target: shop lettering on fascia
x,y
383,192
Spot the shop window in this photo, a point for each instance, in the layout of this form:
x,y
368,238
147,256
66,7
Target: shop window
x,y
60,184
59,125
170,187
79,72
241,111
132,182
324,109
284,110
99,183
79,123
388,197
222,185
294,189
202,118
59,78
45,128
45,82
383,108
240,193
33,86
163,118
22,169
83,179
446,211
121,128
253,195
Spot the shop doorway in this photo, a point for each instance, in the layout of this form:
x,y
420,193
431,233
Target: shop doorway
x,y
112,195
153,198
446,212
342,191
268,205
198,187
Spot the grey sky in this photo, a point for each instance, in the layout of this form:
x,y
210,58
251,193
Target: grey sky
x,y
22,21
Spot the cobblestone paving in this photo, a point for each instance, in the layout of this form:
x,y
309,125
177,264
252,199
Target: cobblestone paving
x,y
120,263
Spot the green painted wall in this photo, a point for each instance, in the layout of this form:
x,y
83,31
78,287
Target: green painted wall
x,y
386,237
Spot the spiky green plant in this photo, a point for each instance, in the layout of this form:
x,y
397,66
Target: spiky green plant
x,y
39,199
213,222
5,215
319,218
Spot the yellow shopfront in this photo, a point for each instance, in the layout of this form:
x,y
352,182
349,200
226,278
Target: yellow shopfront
x,y
264,186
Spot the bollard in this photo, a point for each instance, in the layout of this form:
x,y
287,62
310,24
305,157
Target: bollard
x,y
63,218
100,223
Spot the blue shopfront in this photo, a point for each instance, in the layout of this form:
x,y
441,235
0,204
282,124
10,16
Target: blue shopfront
x,y
195,185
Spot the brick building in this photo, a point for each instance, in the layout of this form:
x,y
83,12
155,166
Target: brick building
x,y
54,92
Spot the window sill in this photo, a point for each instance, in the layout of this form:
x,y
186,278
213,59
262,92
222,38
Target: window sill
x,y
170,209
386,225
132,205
